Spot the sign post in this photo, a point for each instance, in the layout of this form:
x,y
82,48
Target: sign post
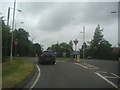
x,y
75,42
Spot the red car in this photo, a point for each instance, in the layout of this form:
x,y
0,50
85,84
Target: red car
x,y
46,57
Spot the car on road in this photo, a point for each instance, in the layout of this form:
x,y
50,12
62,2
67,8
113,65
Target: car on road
x,y
46,57
89,57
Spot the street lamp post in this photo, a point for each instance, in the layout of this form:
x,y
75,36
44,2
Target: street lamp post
x,y
12,31
83,42
8,17
12,27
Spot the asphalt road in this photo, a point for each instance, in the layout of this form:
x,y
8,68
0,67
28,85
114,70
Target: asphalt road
x,y
86,74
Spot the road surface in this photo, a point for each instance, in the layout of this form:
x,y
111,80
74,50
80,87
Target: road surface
x,y
86,74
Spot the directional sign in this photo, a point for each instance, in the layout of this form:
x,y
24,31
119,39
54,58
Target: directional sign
x,y
75,42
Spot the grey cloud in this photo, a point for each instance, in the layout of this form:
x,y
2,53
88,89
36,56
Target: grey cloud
x,y
58,18
63,14
59,15
34,8
55,17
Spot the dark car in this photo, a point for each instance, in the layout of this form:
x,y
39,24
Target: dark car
x,y
46,57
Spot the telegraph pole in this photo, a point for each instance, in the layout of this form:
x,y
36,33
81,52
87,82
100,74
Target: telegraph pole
x,y
12,31
83,42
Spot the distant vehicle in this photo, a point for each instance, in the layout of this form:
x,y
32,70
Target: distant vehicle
x,y
46,57
89,57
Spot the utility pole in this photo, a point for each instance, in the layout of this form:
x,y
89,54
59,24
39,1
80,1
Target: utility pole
x,y
83,42
8,17
12,31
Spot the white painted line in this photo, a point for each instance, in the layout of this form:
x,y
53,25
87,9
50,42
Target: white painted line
x,y
109,77
93,68
90,66
106,80
115,75
81,65
101,72
37,77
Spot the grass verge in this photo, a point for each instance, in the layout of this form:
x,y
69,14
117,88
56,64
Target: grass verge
x,y
16,72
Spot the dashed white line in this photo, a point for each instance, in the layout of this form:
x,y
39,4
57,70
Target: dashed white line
x,y
93,68
109,77
115,75
106,80
88,66
81,65
101,72
37,77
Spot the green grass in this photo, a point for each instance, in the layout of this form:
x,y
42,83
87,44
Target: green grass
x,y
16,72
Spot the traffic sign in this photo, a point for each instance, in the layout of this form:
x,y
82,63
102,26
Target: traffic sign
x,y
75,42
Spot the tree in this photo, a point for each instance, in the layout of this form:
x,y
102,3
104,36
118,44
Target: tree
x,y
38,49
94,44
99,47
71,46
61,48
6,39
23,45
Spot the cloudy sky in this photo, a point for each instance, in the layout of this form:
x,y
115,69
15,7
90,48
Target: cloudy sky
x,y
50,22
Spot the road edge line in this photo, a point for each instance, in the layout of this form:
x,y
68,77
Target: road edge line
x,y
106,80
36,78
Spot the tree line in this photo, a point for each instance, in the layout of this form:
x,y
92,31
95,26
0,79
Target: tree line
x,y
22,46
97,48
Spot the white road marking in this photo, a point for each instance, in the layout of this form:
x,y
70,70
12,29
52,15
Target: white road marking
x,y
93,68
106,80
88,66
101,72
37,77
109,77
115,75
81,65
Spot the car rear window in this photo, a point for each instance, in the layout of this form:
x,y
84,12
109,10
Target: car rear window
x,y
47,52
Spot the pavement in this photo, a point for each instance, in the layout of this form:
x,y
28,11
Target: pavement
x,y
85,74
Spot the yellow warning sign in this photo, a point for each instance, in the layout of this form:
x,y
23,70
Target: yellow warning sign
x,y
78,57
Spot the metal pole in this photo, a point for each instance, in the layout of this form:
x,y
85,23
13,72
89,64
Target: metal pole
x,y
76,52
8,16
83,42
8,26
12,31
